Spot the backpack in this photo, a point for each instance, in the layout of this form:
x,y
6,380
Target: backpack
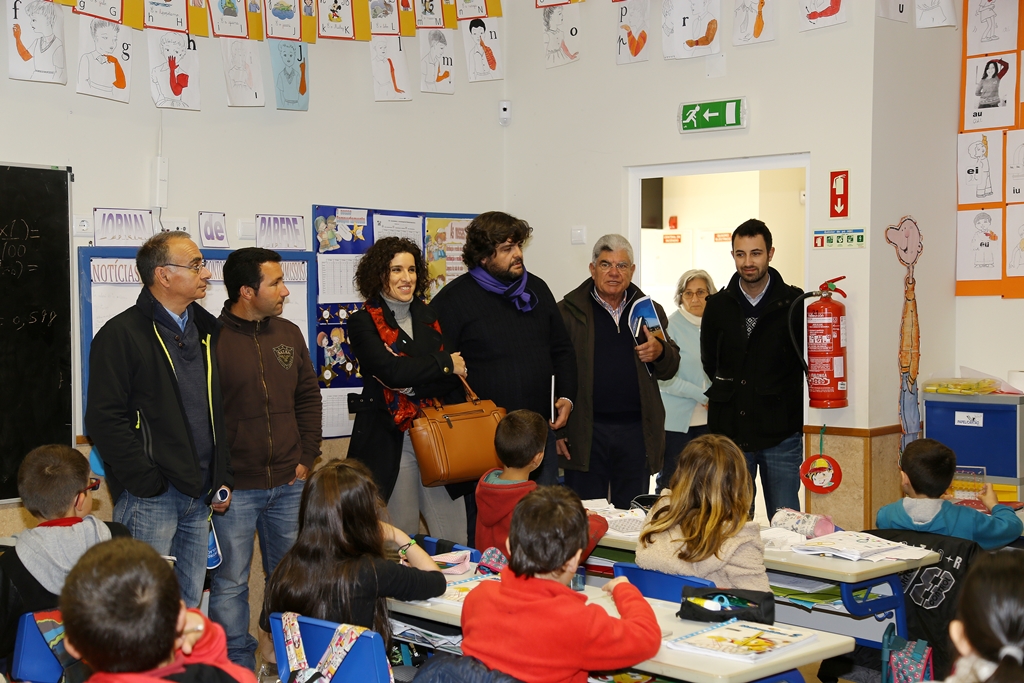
x,y
905,662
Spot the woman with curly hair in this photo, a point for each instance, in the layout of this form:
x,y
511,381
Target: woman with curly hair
x,y
700,525
403,359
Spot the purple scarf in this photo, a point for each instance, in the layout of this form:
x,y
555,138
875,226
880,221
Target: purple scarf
x,y
516,292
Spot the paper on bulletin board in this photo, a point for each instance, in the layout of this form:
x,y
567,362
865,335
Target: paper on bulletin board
x,y
336,273
991,26
336,418
122,227
1014,166
990,92
392,225
980,168
1014,236
979,255
442,252
296,279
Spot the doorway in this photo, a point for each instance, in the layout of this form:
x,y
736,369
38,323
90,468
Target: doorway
x,y
681,216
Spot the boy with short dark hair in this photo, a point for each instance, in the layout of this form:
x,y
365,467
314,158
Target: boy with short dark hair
x,y
531,625
519,440
55,486
927,469
124,617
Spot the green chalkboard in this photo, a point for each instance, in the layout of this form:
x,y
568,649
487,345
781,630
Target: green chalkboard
x,y
35,314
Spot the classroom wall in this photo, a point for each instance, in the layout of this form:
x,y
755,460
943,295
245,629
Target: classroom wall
x,y
577,129
913,145
435,153
780,208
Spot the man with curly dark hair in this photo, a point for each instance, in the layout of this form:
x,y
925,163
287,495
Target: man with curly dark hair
x,y
507,326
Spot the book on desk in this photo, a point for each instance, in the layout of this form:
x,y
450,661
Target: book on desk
x,y
742,640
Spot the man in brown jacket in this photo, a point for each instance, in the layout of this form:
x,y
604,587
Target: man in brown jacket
x,y
616,433
272,411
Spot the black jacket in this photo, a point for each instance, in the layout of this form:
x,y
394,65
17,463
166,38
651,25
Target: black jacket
x,y
510,355
376,441
21,592
756,393
135,415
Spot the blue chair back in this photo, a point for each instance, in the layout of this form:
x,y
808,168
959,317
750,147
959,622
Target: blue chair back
x,y
430,545
33,660
658,585
366,661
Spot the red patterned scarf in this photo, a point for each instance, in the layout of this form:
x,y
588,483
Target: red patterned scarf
x,y
403,408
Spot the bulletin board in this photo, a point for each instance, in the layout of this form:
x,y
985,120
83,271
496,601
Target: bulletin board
x,y
341,235
108,284
990,154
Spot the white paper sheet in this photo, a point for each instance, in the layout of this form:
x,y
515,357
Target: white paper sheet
x,y
991,26
408,227
35,41
821,13
634,30
934,13
753,22
336,419
895,10
336,273
980,168
979,255
243,72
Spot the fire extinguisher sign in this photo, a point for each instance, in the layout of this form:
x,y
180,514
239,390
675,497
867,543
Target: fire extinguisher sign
x,y
839,194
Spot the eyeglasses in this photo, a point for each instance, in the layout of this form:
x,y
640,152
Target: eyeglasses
x,y
94,485
194,267
700,294
605,266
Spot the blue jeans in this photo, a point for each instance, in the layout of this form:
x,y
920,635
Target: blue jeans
x,y
618,465
547,473
274,514
780,473
176,525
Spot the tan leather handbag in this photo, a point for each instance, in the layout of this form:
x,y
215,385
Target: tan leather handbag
x,y
455,443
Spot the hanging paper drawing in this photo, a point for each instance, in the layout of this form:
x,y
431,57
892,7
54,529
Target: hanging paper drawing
x,y
934,13
37,51
290,64
821,13
383,18
174,71
561,27
753,22
991,26
105,70
482,41
336,19
167,15
282,19
633,20
978,251
906,238
696,33
470,9
436,61
390,72
429,14
980,167
990,92
1014,166
243,72
228,18
1014,236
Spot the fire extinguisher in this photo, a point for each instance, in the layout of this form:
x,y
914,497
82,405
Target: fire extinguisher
x,y
826,346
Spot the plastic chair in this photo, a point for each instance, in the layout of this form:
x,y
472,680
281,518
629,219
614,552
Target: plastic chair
x,y
658,585
429,544
366,661
33,660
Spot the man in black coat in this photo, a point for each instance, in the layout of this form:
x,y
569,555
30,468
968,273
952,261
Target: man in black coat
x,y
507,326
756,393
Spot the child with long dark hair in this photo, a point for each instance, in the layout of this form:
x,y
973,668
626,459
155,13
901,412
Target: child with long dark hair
x,y
336,570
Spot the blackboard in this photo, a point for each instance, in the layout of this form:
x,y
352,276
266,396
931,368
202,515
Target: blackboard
x,y
35,314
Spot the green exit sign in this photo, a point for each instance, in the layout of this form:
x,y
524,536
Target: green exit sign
x,y
697,117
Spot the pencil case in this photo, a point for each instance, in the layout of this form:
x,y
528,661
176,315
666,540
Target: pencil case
x,y
733,603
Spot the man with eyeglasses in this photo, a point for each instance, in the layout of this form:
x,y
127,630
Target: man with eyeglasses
x,y
616,434
756,393
154,410
506,324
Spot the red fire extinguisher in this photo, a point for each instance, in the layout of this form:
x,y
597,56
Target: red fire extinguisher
x,y
826,348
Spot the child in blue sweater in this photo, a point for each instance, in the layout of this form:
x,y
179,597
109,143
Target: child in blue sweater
x,y
927,468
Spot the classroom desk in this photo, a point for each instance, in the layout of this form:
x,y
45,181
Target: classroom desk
x,y
851,576
683,666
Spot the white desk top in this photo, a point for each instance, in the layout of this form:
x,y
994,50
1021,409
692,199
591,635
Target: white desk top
x,y
827,568
668,662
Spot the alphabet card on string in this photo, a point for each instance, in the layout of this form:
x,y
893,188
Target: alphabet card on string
x,y
243,72
539,4
696,34
429,14
336,19
105,67
384,18
290,63
471,9
228,18
167,15
633,19
390,71
110,10
753,21
173,70
282,20
894,10
821,13
481,39
35,45
437,58
561,34
980,168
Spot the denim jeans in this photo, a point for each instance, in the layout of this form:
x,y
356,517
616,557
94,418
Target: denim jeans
x,y
176,525
547,473
618,465
780,473
274,515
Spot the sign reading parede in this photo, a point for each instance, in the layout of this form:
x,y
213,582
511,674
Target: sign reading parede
x,y
698,117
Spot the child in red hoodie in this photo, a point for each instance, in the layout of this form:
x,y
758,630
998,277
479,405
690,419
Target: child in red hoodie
x,y
531,625
124,617
519,440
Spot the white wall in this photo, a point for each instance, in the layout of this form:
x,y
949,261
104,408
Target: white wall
x,y
577,130
780,208
913,145
435,153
